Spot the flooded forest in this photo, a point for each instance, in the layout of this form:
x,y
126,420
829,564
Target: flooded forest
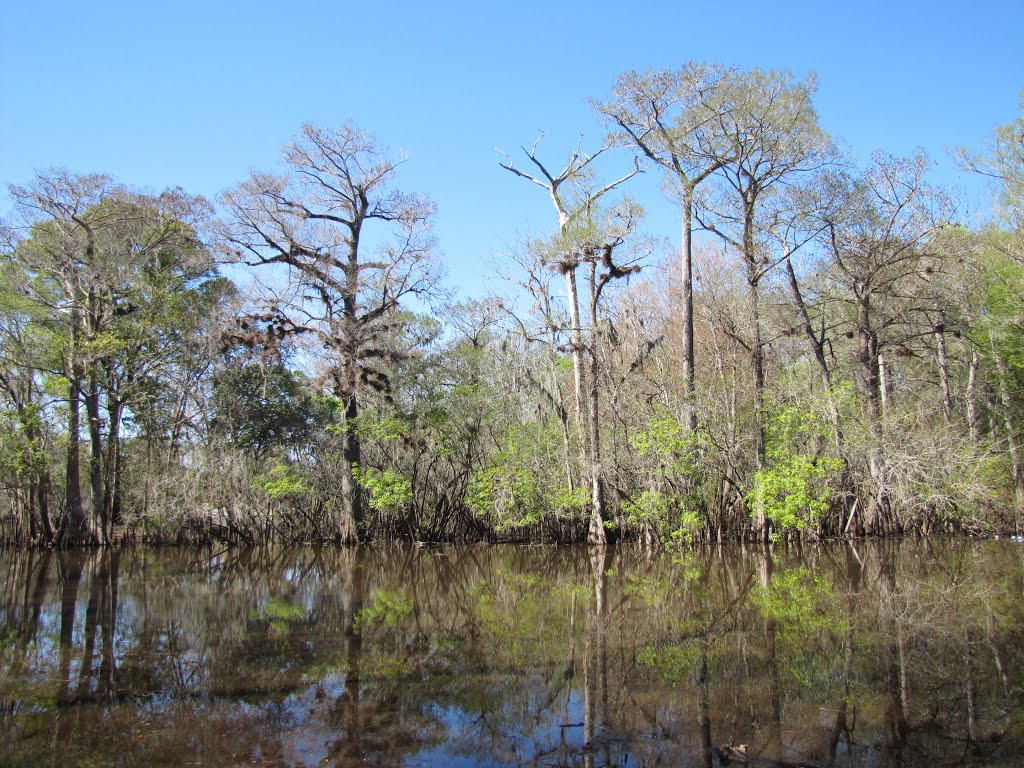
x,y
879,652
825,347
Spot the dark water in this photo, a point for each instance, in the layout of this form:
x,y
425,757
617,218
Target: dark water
x,y
870,654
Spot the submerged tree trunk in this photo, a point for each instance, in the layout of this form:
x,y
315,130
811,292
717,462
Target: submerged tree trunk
x,y
69,566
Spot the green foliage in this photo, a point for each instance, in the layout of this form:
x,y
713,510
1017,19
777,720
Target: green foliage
x,y
519,486
388,490
649,506
689,523
998,298
281,481
793,491
260,407
673,663
669,442
279,615
666,512
507,492
372,424
653,591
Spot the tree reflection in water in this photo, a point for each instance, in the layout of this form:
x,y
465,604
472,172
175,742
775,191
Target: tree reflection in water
x,y
881,653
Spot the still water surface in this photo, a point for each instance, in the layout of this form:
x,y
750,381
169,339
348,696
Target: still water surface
x,y
878,653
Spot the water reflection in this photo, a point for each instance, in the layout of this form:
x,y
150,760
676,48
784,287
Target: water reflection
x,y
866,654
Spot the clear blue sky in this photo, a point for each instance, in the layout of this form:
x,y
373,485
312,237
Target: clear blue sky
x,y
194,94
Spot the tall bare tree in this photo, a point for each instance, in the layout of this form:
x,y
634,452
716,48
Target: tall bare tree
x,y
882,249
582,243
312,221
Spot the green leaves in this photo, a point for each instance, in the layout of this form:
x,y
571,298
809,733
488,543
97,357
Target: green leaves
x,y
262,407
388,490
280,481
521,484
793,491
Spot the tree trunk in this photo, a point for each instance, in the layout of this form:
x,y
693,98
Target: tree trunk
x,y
112,463
351,512
576,351
761,523
41,485
585,424
99,510
818,348
973,414
883,384
943,361
1012,438
76,528
689,363
597,534
871,367
750,257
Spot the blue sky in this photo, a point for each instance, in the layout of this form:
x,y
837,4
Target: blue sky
x,y
194,94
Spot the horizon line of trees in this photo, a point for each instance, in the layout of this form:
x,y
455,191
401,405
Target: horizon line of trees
x,y
832,351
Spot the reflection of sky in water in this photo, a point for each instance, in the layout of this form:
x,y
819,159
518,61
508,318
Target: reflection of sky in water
x,y
555,733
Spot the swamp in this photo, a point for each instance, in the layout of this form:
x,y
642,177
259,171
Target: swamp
x,y
881,652
273,492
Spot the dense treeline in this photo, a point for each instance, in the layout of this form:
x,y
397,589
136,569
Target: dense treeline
x,y
835,349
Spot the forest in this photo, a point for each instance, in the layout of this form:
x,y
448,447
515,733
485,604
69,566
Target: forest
x,y
829,348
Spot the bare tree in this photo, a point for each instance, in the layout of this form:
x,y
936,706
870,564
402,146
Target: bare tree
x,y
882,250
583,243
311,221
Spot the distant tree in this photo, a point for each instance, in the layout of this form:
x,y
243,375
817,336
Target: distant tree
x,y
1001,290
883,250
1003,161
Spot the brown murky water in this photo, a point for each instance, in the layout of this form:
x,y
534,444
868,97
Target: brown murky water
x,y
870,654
